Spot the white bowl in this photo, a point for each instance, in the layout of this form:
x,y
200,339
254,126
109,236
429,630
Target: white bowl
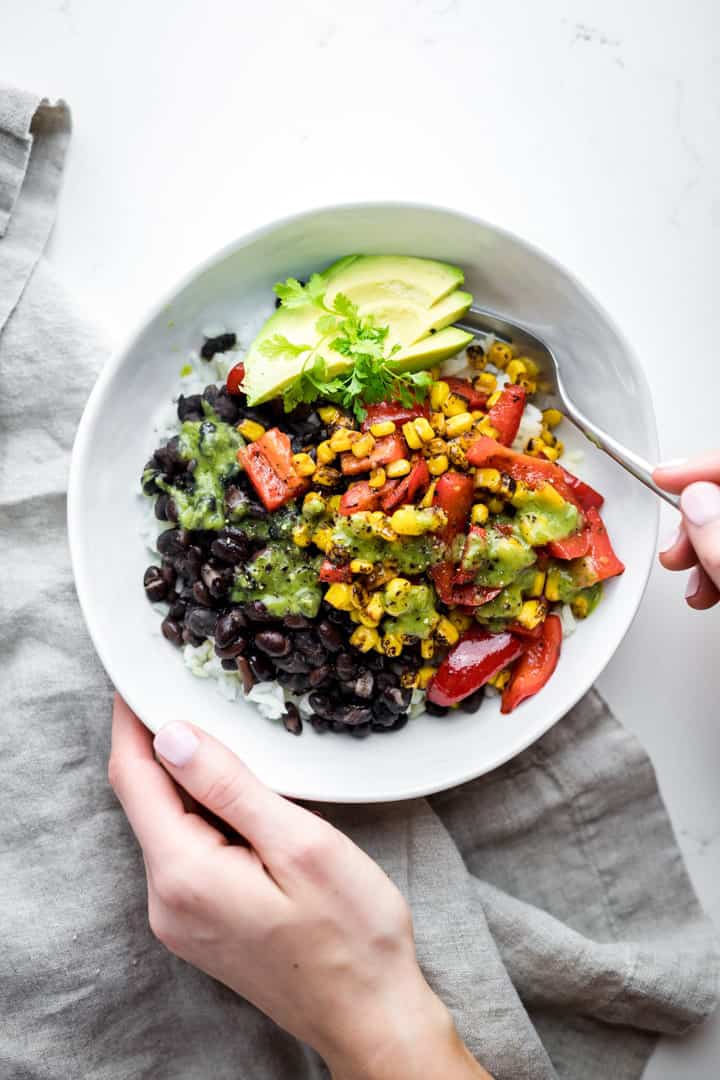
x,y
233,287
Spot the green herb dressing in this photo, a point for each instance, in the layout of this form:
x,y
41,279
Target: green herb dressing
x,y
284,578
354,538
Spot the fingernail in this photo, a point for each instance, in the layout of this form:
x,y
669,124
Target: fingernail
x,y
672,540
176,743
673,463
701,503
693,583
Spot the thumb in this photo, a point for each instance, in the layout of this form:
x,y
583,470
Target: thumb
x,y
700,503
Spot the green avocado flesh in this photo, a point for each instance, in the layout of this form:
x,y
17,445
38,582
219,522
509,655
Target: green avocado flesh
x,y
417,299
352,538
284,578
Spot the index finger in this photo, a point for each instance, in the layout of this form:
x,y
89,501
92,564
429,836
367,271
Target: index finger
x,y
675,476
148,796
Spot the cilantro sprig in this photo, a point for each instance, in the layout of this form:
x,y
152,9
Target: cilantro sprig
x,y
372,375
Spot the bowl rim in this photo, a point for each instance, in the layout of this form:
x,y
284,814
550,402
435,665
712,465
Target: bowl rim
x,y
95,400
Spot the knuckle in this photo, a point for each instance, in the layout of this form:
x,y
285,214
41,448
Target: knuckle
x,y
174,887
224,792
314,855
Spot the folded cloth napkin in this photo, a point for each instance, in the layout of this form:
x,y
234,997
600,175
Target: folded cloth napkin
x,y
552,910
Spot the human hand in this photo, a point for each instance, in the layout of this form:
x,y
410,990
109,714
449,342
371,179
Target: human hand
x,y
302,923
697,541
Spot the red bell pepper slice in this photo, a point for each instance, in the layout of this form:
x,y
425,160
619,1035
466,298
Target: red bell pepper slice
x,y
455,595
392,410
454,494
505,415
535,667
477,656
405,490
235,378
330,572
351,465
535,472
465,389
594,547
269,466
586,497
572,547
359,497
387,449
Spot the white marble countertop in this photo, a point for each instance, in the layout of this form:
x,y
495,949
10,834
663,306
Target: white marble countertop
x,y
589,127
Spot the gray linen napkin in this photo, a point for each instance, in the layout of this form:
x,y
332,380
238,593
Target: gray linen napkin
x,y
552,909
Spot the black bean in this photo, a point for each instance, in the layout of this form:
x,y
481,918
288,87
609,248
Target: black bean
x,y
246,674
177,610
345,666
385,679
214,345
297,444
168,458
229,551
215,581
161,506
296,622
363,686
292,720
262,667
354,714
400,722
295,682
173,541
171,510
201,595
229,665
210,394
172,630
338,727
201,621
190,408
375,661
323,705
226,406
330,636
156,588
319,724
235,648
382,713
311,649
256,611
274,643
148,479
335,616
191,639
229,627
360,731
319,676
473,701
435,710
188,563
397,700
294,662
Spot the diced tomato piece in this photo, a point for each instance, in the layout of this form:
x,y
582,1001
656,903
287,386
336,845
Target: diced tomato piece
x,y
468,596
392,410
331,573
352,465
235,379
359,497
535,667
477,656
454,495
465,389
387,449
269,466
412,485
532,471
585,496
505,415
572,547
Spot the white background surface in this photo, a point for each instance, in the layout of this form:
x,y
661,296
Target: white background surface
x,y
589,127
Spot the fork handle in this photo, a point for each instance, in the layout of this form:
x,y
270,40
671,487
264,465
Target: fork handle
x,y
640,468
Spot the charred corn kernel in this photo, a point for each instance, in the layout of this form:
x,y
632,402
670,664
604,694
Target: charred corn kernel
x,y
411,436
459,424
414,521
333,504
427,648
552,417
580,607
365,638
322,538
325,476
424,677
532,613
302,534
507,485
427,499
409,680
383,427
386,531
329,414
422,427
446,633
552,585
340,596
489,479
486,428
377,478
454,405
375,608
439,394
528,384
522,494
354,616
398,468
304,464
500,679
313,504
494,398
342,440
500,354
325,453
547,437
516,368
392,644
485,383
363,446
538,584
438,422
457,455
396,595
460,620
479,514
367,620
361,566
251,430
477,414
476,357
496,505
438,465
437,446
530,364
552,453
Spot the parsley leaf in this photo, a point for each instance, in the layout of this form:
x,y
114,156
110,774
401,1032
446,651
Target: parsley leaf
x,y
293,294
277,345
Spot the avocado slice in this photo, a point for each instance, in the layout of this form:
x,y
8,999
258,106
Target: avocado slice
x,y
400,277
432,349
410,322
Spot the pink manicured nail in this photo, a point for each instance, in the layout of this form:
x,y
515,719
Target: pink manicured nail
x,y
701,503
176,743
673,463
693,583
672,540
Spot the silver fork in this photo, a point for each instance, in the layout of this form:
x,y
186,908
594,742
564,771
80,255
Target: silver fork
x,y
482,323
